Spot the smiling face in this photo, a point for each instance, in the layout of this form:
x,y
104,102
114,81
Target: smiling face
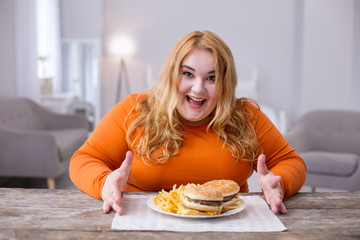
x,y
197,96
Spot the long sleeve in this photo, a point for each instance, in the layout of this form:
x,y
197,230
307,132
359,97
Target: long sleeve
x,y
103,152
106,148
281,158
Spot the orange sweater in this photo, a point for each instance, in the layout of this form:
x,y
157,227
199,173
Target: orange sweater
x,y
201,157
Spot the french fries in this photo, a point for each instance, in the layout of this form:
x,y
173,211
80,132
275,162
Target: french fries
x,y
171,201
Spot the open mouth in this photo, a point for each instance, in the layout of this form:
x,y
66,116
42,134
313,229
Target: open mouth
x,y
195,101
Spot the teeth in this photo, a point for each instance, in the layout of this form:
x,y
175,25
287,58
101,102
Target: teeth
x,y
197,99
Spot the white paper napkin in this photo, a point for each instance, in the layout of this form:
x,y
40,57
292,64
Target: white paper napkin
x,y
256,217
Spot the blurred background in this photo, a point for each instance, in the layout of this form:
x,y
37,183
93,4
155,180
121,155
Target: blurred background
x,y
82,56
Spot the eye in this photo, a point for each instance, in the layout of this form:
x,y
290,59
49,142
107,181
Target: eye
x,y
211,78
188,74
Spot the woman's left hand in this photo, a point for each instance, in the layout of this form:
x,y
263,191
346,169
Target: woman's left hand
x,y
270,184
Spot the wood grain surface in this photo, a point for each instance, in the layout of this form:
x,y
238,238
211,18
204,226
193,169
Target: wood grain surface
x,y
71,214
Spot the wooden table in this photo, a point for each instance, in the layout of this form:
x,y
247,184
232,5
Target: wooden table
x,y
64,214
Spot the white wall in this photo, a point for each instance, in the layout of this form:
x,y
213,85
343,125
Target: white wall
x,y
80,19
356,56
328,56
307,51
258,32
304,49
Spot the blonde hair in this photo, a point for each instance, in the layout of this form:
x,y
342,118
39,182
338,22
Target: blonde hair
x,y
156,131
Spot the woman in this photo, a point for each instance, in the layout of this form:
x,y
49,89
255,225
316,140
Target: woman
x,y
189,128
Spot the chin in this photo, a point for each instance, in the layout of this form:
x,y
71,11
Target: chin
x,y
196,122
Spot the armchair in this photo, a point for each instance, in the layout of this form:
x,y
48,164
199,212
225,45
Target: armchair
x,y
35,142
329,143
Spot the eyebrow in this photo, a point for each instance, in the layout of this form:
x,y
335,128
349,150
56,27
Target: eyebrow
x,y
186,66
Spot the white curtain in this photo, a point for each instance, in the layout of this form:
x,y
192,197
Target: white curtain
x,y
37,32
49,42
25,50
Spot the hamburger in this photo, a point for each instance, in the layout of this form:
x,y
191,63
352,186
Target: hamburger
x,y
202,200
230,192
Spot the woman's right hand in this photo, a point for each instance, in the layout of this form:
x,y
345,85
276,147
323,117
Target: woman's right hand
x,y
115,181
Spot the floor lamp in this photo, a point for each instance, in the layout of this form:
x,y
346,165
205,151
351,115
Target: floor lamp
x,y
123,78
122,46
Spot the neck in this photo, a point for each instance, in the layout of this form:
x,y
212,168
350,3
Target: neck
x,y
196,123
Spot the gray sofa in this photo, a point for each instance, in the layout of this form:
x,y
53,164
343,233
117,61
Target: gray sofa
x,y
329,143
35,142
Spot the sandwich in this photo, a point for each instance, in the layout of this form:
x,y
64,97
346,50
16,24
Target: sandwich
x,y
200,200
230,192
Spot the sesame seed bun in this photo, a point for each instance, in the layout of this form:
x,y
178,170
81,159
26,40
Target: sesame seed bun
x,y
202,199
202,193
226,187
229,189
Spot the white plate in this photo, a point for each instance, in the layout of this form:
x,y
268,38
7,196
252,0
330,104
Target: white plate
x,y
150,203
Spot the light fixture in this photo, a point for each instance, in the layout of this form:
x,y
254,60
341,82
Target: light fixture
x,y
121,46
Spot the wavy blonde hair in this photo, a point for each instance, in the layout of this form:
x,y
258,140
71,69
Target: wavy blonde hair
x,y
156,130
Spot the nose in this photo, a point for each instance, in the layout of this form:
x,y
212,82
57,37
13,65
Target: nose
x,y
198,86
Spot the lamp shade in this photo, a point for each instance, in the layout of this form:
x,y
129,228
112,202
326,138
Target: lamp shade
x,y
121,45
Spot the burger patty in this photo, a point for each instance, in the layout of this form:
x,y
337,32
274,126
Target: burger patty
x,y
228,198
204,202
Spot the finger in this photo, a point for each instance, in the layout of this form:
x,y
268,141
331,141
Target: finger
x,y
125,167
274,209
280,205
283,208
114,206
279,208
117,208
106,207
275,181
117,202
261,167
277,205
273,205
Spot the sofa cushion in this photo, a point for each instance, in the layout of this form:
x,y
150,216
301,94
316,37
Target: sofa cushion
x,y
332,130
68,140
330,163
19,113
